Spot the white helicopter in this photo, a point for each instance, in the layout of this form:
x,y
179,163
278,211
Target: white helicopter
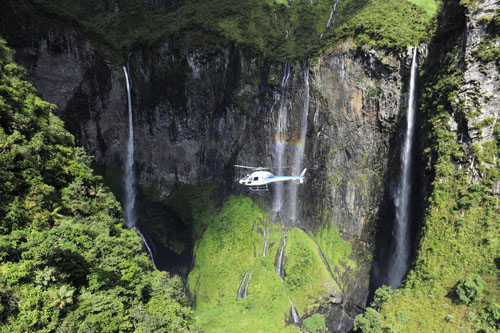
x,y
260,178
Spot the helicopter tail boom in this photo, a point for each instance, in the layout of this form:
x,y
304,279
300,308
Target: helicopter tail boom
x,y
301,179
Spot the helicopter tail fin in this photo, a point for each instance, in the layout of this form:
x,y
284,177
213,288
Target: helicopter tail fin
x,y
301,179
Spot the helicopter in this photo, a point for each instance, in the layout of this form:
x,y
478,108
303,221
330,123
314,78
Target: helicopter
x,y
260,178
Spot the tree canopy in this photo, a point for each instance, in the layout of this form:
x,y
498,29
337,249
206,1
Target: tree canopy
x,y
67,261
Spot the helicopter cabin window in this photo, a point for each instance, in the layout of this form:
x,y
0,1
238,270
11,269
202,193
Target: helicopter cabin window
x,y
255,178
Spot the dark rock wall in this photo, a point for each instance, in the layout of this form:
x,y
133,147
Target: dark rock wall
x,y
196,113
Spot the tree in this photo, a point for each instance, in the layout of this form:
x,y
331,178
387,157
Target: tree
x,y
382,295
62,297
368,322
470,289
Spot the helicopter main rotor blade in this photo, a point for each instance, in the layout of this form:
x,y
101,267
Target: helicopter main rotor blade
x,y
249,167
245,167
283,167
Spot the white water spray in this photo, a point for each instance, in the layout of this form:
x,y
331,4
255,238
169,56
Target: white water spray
x,y
242,285
147,247
333,15
280,138
266,240
299,152
280,258
399,264
129,203
278,272
294,312
245,293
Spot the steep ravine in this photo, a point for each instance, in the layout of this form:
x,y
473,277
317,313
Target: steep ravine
x,y
196,113
458,145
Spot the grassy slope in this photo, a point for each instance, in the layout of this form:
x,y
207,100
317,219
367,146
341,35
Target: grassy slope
x,y
430,6
307,279
231,245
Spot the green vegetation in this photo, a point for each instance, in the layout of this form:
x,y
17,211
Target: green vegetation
x,y
67,262
369,322
231,245
315,323
335,249
194,205
470,289
430,6
382,24
382,296
259,25
217,273
489,51
307,278
459,245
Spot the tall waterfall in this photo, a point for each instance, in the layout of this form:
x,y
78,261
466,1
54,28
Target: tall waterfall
x,y
401,197
299,152
129,203
280,138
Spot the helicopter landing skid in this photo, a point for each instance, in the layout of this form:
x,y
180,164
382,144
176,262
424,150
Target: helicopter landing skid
x,y
258,188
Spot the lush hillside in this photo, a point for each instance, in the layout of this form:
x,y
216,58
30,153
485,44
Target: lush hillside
x,y
454,285
232,245
67,261
276,29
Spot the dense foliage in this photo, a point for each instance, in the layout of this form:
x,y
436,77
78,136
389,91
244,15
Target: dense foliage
x,y
470,289
67,262
277,29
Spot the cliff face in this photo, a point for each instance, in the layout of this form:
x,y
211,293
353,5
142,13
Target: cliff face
x,y
196,113
480,90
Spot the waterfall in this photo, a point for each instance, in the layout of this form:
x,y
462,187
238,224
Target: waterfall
x,y
242,285
147,247
246,287
129,202
278,272
333,15
280,258
266,240
280,138
243,290
299,152
401,197
294,311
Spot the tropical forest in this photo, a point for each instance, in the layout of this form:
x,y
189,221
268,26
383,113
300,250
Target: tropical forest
x,y
250,166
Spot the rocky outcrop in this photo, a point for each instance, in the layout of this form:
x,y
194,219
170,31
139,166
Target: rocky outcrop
x,y
480,91
359,96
